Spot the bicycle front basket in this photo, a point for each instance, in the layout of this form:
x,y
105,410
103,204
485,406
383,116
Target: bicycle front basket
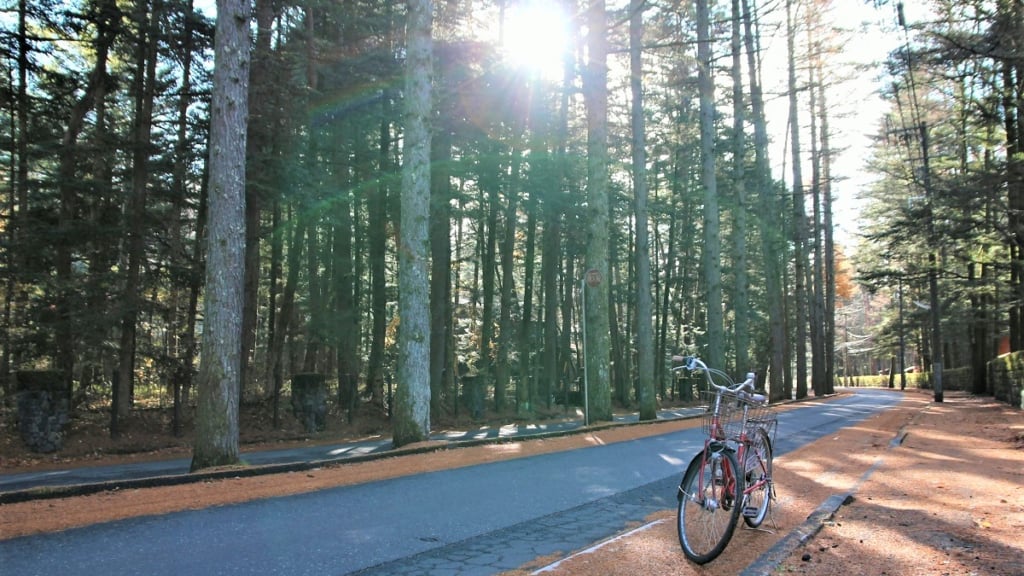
x,y
723,419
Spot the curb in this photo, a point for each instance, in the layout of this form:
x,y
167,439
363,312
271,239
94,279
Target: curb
x,y
767,563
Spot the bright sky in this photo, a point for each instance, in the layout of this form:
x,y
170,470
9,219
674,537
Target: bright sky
x,y
536,35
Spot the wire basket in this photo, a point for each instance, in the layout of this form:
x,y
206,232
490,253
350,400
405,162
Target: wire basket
x,y
767,422
728,414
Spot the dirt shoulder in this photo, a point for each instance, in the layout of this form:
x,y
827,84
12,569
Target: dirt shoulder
x,y
948,500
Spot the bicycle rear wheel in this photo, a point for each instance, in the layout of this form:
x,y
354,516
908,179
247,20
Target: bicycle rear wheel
x,y
710,498
758,472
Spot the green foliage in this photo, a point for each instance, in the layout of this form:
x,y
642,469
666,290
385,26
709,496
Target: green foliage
x,y
324,158
949,110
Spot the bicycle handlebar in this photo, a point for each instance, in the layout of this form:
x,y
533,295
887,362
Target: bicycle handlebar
x,y
692,363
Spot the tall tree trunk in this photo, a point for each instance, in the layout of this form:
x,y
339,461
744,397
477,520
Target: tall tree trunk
x,y
829,322
487,268
314,172
570,374
273,292
345,278
644,306
412,409
741,295
315,310
216,442
108,29
378,215
103,208
979,341
144,89
772,246
595,298
284,317
180,352
502,372
800,299
816,298
17,205
620,364
195,286
259,168
550,260
440,265
666,297
712,253
1013,111
526,390
556,352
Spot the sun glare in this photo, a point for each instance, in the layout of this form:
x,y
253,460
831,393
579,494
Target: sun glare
x,y
536,36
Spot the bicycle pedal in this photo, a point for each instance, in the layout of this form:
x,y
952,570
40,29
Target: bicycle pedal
x,y
750,512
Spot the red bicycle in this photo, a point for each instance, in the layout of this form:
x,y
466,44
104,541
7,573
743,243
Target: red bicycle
x,y
732,476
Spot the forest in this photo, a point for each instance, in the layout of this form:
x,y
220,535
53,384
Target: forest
x,y
431,223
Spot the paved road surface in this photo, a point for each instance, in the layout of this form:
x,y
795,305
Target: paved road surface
x,y
477,520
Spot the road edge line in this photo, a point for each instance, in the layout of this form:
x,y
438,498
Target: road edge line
x,y
599,545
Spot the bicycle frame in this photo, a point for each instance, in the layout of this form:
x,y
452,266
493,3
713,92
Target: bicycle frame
x,y
743,451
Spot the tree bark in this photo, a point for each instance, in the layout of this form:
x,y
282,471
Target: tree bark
x,y
412,406
216,441
108,30
741,289
816,299
772,245
284,317
259,170
829,332
506,331
488,263
181,352
344,281
441,265
378,214
712,253
595,298
644,306
799,213
144,89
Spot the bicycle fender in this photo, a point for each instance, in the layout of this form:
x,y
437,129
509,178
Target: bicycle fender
x,y
690,469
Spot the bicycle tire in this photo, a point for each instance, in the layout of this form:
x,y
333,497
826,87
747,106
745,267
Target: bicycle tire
x,y
758,467
708,510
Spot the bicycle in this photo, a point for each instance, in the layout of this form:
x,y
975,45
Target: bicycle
x,y
739,428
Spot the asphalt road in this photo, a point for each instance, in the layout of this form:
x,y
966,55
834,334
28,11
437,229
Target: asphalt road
x,y
477,520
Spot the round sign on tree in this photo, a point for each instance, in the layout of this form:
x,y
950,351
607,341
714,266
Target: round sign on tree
x,y
593,277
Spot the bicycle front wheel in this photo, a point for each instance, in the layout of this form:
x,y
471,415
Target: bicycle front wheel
x,y
757,478
710,499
